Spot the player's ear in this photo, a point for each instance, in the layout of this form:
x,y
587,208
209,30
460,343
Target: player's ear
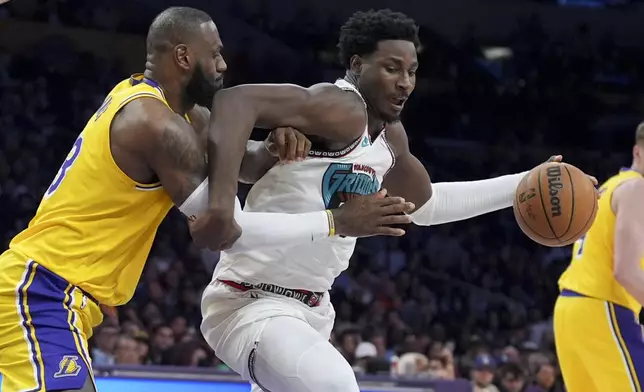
x,y
637,156
355,64
182,56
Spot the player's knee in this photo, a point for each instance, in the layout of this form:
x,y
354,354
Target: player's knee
x,y
338,376
339,379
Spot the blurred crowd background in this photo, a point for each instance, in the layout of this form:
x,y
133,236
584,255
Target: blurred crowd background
x,y
465,300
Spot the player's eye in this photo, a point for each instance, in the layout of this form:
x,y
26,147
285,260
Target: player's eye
x,y
391,69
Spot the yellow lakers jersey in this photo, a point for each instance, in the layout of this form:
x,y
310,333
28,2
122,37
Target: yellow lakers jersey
x,y
591,270
95,226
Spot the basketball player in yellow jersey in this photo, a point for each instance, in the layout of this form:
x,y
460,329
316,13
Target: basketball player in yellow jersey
x,y
140,153
597,333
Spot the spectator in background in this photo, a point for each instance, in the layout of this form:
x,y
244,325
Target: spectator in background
x,y
179,327
131,329
441,364
190,353
441,367
162,341
545,379
512,378
105,338
510,354
143,347
483,374
127,351
413,364
348,342
365,352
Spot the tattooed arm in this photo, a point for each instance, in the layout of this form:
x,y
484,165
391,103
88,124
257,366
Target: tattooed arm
x,y
152,143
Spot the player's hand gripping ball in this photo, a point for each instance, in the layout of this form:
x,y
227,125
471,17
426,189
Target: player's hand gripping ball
x,y
555,204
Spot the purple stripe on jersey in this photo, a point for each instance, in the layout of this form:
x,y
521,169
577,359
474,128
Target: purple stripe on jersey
x,y
150,82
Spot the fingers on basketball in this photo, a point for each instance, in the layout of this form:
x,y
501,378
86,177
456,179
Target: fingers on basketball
x,y
555,204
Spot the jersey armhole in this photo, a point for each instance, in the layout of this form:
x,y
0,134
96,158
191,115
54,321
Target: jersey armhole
x,y
610,202
318,151
127,179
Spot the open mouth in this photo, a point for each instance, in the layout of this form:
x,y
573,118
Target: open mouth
x,y
398,103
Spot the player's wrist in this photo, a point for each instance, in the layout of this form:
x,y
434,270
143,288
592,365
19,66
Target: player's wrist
x,y
331,222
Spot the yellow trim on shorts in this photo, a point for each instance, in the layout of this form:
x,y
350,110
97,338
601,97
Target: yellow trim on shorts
x,y
78,340
34,352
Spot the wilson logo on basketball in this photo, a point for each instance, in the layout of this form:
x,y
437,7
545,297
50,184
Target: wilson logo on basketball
x,y
527,195
554,185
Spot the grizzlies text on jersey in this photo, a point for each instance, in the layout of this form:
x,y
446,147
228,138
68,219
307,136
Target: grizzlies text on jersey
x,y
341,181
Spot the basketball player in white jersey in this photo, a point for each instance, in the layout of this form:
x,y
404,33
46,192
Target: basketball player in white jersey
x,y
267,313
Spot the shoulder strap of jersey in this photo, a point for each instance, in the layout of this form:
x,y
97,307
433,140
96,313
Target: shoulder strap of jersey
x,y
345,85
142,87
319,151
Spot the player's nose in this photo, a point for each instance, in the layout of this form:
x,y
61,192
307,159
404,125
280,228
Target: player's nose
x,y
405,83
221,66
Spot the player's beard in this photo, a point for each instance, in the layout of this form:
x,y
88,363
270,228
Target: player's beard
x,y
389,118
200,90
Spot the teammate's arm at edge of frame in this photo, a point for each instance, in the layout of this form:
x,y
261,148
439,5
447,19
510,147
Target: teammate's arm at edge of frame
x,y
629,236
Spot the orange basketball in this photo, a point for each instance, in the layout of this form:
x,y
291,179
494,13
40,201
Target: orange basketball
x,y
555,204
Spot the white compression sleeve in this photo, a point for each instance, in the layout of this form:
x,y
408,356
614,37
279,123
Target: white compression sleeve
x,y
262,230
455,201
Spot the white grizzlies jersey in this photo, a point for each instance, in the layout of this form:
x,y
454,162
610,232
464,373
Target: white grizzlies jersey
x,y
323,181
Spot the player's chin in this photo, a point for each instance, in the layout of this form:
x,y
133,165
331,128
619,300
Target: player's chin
x,y
390,115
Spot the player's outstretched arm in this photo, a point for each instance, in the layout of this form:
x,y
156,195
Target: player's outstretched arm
x,y
321,110
359,217
629,237
447,201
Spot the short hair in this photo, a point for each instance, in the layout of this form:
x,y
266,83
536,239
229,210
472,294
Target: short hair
x,y
174,26
513,370
362,32
639,134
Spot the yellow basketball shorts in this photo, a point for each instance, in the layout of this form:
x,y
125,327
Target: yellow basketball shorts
x,y
44,326
600,345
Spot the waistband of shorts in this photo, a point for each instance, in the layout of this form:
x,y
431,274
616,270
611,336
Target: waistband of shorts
x,y
22,257
308,298
85,293
572,294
